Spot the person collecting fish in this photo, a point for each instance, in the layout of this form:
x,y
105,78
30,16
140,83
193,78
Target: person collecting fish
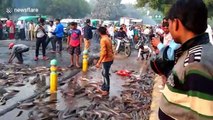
x,y
17,51
144,50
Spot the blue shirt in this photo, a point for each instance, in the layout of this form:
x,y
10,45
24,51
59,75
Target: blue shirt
x,y
59,30
171,50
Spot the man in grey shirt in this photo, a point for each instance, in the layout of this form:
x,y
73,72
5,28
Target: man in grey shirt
x,y
17,51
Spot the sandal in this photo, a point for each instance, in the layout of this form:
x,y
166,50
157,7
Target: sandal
x,y
78,66
70,66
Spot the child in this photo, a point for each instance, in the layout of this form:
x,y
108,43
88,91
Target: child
x,y
74,44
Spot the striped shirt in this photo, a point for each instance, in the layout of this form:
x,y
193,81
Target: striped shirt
x,y
188,94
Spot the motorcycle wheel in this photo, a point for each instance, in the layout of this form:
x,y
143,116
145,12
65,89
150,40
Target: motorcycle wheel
x,y
127,51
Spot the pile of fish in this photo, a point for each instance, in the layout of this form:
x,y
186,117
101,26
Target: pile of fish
x,y
133,103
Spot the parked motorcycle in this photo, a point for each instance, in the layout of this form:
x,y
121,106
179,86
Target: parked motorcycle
x,y
123,45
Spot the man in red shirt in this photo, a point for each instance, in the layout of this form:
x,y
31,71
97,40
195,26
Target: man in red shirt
x,y
74,44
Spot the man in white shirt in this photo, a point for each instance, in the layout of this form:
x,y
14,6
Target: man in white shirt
x,y
22,30
41,39
209,31
147,31
167,37
50,30
111,31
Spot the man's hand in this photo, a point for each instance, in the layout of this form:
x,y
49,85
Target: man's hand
x,y
98,65
155,42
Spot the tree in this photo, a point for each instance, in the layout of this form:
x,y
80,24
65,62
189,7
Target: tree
x,y
107,9
4,4
65,8
164,5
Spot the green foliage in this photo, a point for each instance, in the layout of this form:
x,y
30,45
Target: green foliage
x,y
4,4
164,5
210,21
65,8
107,9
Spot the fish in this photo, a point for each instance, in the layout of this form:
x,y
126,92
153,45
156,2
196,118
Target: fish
x,y
26,106
2,101
79,91
3,82
2,91
19,84
3,75
35,80
109,109
125,115
19,113
10,95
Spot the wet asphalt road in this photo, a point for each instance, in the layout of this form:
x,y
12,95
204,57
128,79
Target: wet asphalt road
x,y
121,63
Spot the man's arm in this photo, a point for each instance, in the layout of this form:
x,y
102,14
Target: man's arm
x,y
170,51
12,56
81,38
56,30
93,28
139,52
68,42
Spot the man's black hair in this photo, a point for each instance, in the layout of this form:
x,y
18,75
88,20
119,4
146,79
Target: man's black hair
x,y
102,30
192,13
166,18
88,21
165,24
41,20
58,19
51,21
72,23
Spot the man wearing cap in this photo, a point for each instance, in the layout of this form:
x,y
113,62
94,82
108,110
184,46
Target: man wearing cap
x,y
17,51
88,34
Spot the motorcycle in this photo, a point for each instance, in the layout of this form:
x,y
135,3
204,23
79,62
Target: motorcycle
x,y
123,45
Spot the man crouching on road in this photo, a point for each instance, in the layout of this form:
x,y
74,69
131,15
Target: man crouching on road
x,y
106,57
17,51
